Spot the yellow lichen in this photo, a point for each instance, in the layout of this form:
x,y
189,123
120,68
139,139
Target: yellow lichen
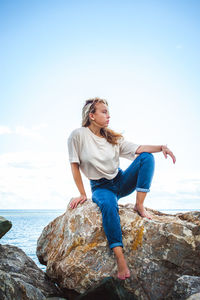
x,y
77,242
88,247
81,244
138,238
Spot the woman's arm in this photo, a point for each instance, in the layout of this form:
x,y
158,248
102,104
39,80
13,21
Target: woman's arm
x,y
79,183
156,148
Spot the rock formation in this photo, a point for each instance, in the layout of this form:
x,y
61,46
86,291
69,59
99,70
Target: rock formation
x,y
159,252
186,286
5,226
20,278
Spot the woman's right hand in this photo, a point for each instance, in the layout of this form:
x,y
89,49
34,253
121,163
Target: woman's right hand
x,y
75,201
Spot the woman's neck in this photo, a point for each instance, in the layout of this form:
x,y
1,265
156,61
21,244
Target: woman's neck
x,y
95,129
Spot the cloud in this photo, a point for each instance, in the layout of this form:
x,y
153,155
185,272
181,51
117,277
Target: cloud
x,y
20,130
33,180
40,126
43,180
5,130
23,131
31,132
23,165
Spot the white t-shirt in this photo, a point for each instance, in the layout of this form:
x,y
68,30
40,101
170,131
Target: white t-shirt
x,y
95,155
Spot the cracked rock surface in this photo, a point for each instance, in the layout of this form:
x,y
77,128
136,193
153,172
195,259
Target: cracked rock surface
x,y
20,278
159,251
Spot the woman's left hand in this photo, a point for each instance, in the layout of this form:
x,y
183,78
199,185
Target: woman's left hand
x,y
75,201
166,151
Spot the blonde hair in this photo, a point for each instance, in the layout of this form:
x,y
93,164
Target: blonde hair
x,y
90,107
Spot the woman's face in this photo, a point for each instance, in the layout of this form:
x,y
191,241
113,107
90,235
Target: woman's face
x,y
101,115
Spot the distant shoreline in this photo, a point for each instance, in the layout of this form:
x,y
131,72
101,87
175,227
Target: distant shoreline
x,y
63,210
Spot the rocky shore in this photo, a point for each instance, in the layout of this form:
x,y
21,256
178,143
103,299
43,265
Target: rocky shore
x,y
163,255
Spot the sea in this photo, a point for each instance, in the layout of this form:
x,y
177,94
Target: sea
x,y
27,225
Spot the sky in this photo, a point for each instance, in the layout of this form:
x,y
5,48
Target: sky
x,y
142,56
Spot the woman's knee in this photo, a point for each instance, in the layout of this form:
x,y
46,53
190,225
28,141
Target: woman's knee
x,y
106,200
147,156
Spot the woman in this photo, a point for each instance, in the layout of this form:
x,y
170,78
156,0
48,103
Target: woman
x,y
95,149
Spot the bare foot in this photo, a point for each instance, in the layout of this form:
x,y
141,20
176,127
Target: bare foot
x,y
123,270
142,211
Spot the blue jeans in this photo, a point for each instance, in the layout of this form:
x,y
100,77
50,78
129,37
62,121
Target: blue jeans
x,y
106,193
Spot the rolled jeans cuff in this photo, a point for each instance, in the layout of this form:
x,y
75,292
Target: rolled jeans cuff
x,y
142,190
116,245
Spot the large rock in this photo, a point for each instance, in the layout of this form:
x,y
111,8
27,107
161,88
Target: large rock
x,y
5,226
20,278
159,251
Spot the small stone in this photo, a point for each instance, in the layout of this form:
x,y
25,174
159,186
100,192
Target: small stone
x,y
186,286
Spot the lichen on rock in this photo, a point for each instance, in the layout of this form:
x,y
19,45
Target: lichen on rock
x,y
158,251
